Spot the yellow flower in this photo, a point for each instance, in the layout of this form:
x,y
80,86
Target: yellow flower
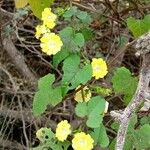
x,y
41,29
99,68
63,130
82,141
85,92
51,43
48,18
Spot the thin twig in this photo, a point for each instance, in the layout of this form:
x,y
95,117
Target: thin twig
x,y
15,88
24,125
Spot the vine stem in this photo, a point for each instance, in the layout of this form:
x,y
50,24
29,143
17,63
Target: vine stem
x,y
139,96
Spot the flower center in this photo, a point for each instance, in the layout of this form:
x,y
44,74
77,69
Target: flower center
x,y
97,68
64,131
49,17
82,142
51,45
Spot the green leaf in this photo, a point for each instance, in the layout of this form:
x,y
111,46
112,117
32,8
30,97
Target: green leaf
x,y
94,119
103,138
46,135
83,75
79,39
55,96
87,33
71,12
46,81
38,6
72,41
60,56
124,83
100,136
112,144
132,123
145,120
96,107
138,27
115,125
84,17
46,95
70,68
142,137
67,33
129,141
65,145
64,89
73,74
93,110
81,109
96,102
59,145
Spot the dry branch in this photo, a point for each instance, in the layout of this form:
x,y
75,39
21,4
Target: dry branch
x,y
18,60
141,93
136,101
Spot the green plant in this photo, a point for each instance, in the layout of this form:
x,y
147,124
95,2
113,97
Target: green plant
x,y
124,83
79,74
139,26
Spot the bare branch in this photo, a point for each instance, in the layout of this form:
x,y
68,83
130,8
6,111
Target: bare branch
x,y
142,91
18,60
136,101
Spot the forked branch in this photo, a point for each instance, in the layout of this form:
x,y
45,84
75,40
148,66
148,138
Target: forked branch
x,y
140,94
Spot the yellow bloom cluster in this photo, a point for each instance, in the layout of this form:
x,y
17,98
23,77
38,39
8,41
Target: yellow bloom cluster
x,y
99,68
63,130
50,42
83,95
82,141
